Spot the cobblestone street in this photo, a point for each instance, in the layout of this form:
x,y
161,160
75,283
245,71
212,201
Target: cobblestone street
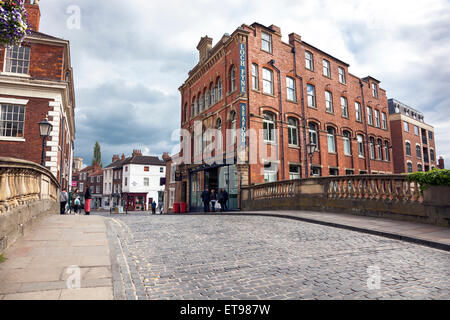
x,y
252,257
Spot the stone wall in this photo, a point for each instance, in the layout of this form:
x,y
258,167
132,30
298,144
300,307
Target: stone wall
x,y
27,192
387,196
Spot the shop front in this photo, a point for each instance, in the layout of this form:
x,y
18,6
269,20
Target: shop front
x,y
134,201
215,177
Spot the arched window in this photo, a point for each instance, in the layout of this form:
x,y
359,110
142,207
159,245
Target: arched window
x,y
380,149
418,151
386,151
331,138
219,136
347,143
219,89
232,78
201,103
419,167
408,148
195,107
185,114
207,99
212,92
269,126
409,167
360,139
233,127
293,131
313,136
372,147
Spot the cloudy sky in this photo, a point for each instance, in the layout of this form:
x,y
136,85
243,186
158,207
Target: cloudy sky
x,y
130,57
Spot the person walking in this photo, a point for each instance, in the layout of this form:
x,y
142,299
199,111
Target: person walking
x,y
213,200
154,207
221,199
76,204
87,201
63,197
225,200
160,207
206,198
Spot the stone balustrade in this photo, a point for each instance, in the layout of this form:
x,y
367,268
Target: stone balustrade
x,y
26,191
380,195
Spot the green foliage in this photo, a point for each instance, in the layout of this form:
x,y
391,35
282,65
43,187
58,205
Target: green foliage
x,y
434,177
97,155
2,258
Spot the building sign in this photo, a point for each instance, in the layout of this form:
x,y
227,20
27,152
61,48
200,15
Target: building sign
x,y
243,124
74,183
242,71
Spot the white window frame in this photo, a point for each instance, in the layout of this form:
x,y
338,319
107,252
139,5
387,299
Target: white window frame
x,y
266,39
326,68
344,107
311,96
309,61
291,94
255,77
341,72
292,132
268,82
358,113
269,127
329,102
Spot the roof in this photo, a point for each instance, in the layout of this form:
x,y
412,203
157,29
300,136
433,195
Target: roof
x,y
148,160
40,35
116,163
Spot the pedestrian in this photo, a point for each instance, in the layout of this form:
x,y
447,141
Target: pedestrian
x,y
87,201
225,200
221,199
160,207
76,204
63,197
154,207
206,198
213,200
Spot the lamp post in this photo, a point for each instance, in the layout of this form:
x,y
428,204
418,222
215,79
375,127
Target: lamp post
x,y
311,148
45,128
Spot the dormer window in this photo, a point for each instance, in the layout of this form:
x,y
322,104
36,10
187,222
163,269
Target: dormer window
x,y
374,90
17,59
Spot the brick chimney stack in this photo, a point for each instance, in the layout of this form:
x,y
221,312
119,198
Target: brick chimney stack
x,y
203,48
441,164
34,14
123,157
115,158
136,153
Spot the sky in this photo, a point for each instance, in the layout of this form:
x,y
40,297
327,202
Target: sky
x,y
130,57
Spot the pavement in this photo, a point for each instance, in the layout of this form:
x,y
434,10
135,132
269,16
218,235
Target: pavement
x,y
240,255
45,262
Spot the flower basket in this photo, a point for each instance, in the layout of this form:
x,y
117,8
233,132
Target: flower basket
x,y
13,22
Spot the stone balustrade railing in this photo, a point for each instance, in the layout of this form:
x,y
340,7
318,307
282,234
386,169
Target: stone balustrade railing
x,y
22,182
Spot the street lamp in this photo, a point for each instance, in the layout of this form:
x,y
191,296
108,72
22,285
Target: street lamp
x,y
45,128
311,148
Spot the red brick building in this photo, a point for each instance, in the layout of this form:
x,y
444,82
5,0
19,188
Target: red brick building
x,y
90,177
36,82
412,139
289,95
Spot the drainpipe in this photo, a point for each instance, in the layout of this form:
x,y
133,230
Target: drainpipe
x,y
272,63
303,114
62,153
365,127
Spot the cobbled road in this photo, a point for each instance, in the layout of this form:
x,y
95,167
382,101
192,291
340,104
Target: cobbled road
x,y
252,257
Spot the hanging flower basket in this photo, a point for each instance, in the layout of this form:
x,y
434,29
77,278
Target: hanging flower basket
x,y
13,22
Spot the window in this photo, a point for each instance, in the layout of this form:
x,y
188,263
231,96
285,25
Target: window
x,y
316,171
418,152
347,143
419,167
341,75
269,127
233,127
334,172
12,120
309,60
201,104
331,133
311,92
97,189
360,145
146,168
377,118
293,131
386,151
81,187
369,116
416,130
344,107
185,113
17,59
161,169
409,167
255,78
326,68
290,87
405,126
267,81
358,111
171,197
430,135
294,172
432,154
328,101
126,168
126,182
219,89
408,149
232,79
374,90
379,149
92,179
98,178
349,172
372,147
194,108
207,99
173,169
212,92
270,172
266,42
146,182
384,120
313,137
219,137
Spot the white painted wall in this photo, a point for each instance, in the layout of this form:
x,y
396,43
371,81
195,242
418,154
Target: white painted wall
x,y
135,180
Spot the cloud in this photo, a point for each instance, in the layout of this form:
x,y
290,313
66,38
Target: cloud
x,y
129,58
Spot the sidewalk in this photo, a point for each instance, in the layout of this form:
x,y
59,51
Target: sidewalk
x,y
425,234
37,265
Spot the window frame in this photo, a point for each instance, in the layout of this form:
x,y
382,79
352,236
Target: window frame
x,y
344,107
12,125
342,75
293,132
346,137
311,96
292,90
326,66
358,112
267,71
255,77
268,132
329,102
268,41
309,61
8,60
331,137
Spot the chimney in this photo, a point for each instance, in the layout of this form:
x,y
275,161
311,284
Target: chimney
x,y
115,158
275,29
123,157
136,153
203,48
34,14
166,156
441,164
293,37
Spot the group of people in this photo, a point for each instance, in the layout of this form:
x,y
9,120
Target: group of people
x,y
213,201
160,207
76,202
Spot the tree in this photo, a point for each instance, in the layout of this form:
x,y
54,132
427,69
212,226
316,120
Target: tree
x,y
97,155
